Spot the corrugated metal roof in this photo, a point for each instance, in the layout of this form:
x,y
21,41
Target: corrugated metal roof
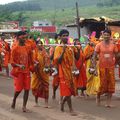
x,y
9,30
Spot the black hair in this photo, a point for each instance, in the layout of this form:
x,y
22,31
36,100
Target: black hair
x,y
63,31
31,36
56,36
3,34
20,33
76,39
107,31
64,40
39,42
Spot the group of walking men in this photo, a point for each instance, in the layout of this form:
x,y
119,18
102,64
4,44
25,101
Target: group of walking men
x,y
90,70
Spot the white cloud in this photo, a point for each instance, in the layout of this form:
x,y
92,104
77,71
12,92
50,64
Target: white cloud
x,y
8,1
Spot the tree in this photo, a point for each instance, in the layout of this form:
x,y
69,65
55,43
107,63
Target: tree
x,y
21,18
5,15
108,3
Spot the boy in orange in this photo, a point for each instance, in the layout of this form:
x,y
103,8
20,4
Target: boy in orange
x,y
21,61
106,51
80,79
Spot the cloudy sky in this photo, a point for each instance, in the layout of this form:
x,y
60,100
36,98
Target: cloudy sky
x,y
8,1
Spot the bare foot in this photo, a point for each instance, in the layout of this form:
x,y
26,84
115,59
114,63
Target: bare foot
x,y
13,105
77,96
72,113
26,110
36,105
12,109
87,96
109,106
46,105
49,107
60,102
81,96
98,102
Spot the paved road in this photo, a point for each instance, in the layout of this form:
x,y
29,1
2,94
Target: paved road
x,y
86,108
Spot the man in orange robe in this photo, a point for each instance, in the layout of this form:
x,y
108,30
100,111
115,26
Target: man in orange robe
x,y
63,56
40,78
106,51
5,53
21,60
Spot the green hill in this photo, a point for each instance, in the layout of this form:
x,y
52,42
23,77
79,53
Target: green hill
x,y
66,16
60,12
35,5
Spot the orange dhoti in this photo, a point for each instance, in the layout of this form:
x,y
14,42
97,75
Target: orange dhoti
x,y
22,81
66,84
65,70
65,90
107,80
40,79
40,87
80,81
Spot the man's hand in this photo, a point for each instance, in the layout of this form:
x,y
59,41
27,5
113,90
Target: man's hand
x,y
22,66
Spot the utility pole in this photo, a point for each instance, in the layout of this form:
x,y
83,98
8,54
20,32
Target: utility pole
x,y
55,10
78,21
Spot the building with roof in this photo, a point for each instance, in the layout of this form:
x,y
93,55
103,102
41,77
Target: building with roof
x,y
98,24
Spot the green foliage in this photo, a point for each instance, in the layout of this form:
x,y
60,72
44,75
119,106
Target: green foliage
x,y
5,16
108,3
34,34
21,6
68,15
62,4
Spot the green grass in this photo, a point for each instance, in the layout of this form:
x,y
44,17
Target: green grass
x,y
68,15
